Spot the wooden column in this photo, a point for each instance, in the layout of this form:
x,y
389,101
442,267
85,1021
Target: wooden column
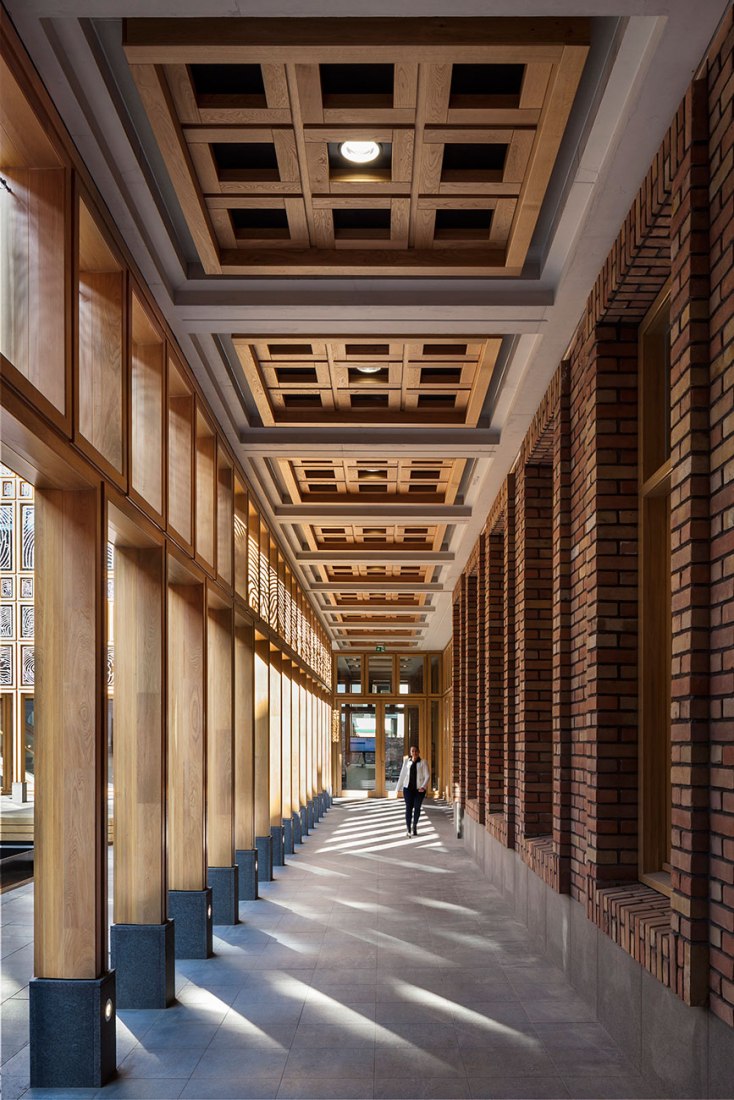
x,y
70,934
295,740
262,759
141,938
189,897
244,741
186,738
139,754
222,872
276,816
220,749
286,720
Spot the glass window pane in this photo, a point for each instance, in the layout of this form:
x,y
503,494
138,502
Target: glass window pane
x,y
401,731
379,672
358,732
411,676
349,675
28,737
435,674
435,746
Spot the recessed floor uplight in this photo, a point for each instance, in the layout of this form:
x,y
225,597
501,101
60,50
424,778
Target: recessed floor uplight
x,y
360,152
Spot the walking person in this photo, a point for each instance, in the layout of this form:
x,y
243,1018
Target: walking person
x,y
413,781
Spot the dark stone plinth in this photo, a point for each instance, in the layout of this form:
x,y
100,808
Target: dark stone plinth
x,y
72,1039
142,957
304,822
264,845
310,814
225,894
192,912
247,878
296,820
288,836
276,831
316,808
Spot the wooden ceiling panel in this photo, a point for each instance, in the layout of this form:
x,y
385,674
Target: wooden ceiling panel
x,y
468,113
368,380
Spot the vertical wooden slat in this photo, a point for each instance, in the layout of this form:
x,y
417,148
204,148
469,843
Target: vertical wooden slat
x,y
276,815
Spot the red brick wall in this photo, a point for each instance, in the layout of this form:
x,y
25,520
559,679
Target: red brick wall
x,y
567,683
721,524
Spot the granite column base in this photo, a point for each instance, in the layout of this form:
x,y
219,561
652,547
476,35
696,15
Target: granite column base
x,y
276,831
288,836
264,845
296,828
72,1032
142,957
192,912
246,859
225,894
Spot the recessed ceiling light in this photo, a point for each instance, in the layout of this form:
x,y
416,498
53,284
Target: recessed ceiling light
x,y
369,370
360,152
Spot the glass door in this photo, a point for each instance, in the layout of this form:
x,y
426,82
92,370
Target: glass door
x,y
358,738
401,727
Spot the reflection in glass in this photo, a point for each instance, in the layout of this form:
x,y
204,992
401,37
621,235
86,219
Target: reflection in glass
x,y
379,674
411,676
435,660
349,675
435,746
358,734
402,729
28,737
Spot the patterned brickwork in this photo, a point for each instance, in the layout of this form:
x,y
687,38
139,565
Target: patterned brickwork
x,y
534,640
721,530
584,440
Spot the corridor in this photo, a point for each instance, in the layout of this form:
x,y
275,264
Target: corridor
x,y
373,966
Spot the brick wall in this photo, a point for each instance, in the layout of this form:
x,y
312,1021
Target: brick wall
x,y
558,577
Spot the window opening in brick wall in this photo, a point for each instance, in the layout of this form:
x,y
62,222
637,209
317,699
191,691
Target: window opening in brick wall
x,y
655,790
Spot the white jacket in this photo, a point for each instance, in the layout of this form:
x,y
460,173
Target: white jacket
x,y
422,774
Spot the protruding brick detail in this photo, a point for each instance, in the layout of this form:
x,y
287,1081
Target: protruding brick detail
x,y
721,532
576,493
534,639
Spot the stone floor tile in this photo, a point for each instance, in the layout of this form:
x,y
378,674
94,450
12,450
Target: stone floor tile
x,y
415,1088
624,1087
517,1088
232,1088
326,1088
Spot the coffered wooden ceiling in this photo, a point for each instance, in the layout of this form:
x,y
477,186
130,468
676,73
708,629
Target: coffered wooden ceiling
x,y
368,379
249,115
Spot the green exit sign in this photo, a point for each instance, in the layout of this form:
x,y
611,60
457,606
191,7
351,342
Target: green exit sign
x,y
379,649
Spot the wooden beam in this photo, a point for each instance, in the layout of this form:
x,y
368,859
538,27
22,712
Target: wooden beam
x,y
409,514
389,557
412,442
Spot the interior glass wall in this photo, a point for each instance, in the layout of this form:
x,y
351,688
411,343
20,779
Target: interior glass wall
x,y
359,739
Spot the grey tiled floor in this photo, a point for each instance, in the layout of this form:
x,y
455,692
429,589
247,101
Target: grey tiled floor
x,y
374,966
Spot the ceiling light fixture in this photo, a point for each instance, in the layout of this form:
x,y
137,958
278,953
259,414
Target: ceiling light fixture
x,y
369,370
360,152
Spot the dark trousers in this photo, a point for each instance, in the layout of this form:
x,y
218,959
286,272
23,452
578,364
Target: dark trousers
x,y
413,802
